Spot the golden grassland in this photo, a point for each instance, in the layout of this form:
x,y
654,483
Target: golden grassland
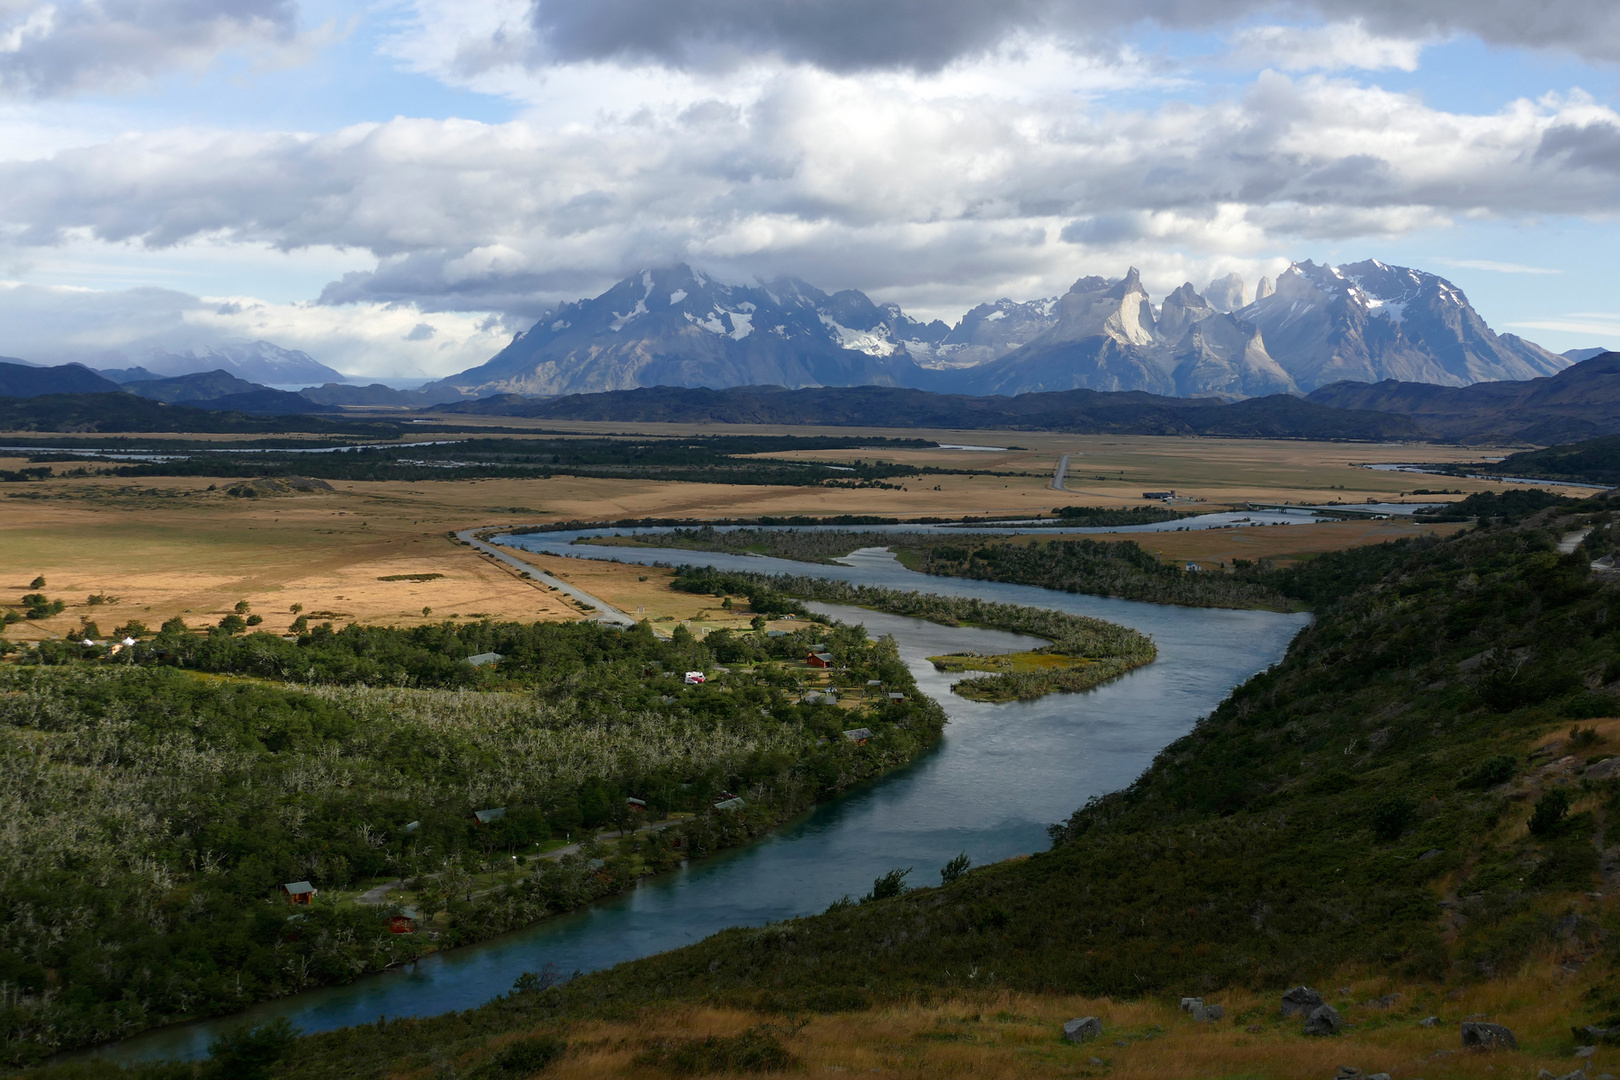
x,y
169,546
992,1035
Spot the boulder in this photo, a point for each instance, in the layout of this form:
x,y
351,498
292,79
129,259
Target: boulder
x,y
1590,1035
1082,1028
1205,1013
1300,1001
1376,1076
1430,1021
1323,1020
1188,1004
1488,1036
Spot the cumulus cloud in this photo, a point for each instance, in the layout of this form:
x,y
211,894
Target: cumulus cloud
x,y
112,328
927,35
878,184
1334,47
50,48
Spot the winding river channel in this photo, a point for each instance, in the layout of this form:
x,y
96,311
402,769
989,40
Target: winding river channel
x,y
998,777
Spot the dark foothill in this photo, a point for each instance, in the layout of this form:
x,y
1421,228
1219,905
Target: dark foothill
x,y
1488,1037
1300,1001
1324,1020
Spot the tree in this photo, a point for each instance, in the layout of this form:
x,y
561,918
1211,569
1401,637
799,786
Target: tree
x,y
233,624
243,607
954,869
296,608
758,623
889,885
37,583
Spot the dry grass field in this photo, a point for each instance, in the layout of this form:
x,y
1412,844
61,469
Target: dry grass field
x,y
1002,1036
170,546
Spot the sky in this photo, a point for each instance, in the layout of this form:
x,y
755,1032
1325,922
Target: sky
x,y
398,187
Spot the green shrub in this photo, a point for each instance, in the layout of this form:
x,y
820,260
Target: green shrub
x,y
1548,817
1491,771
525,1057
244,1053
1391,816
755,1050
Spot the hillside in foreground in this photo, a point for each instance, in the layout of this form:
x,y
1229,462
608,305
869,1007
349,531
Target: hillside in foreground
x,y
1419,800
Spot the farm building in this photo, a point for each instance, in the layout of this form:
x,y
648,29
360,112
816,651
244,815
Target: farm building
x,y
485,658
299,892
636,805
403,923
730,804
488,817
819,657
858,736
895,695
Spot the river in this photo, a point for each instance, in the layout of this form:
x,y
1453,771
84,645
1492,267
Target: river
x,y
998,777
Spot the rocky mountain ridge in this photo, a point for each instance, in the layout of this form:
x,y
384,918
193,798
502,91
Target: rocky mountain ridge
x,y
678,326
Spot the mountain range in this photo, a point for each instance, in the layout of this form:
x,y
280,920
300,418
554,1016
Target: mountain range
x,y
254,361
677,326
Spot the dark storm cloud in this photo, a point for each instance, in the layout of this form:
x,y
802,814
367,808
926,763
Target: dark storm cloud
x,y
52,49
925,35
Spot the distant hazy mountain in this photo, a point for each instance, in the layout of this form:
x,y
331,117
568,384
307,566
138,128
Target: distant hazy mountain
x,y
199,386
222,390
1580,402
1575,356
20,380
258,361
679,327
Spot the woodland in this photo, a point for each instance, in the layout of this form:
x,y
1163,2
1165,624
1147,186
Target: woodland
x,y
156,800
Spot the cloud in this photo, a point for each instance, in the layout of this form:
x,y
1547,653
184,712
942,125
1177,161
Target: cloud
x,y
928,35
899,184
64,47
1334,47
111,328
1494,267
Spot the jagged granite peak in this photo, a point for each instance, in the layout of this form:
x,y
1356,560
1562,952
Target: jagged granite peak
x,y
992,330
1228,293
677,326
1180,310
1106,338
1224,356
1370,321
1119,310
